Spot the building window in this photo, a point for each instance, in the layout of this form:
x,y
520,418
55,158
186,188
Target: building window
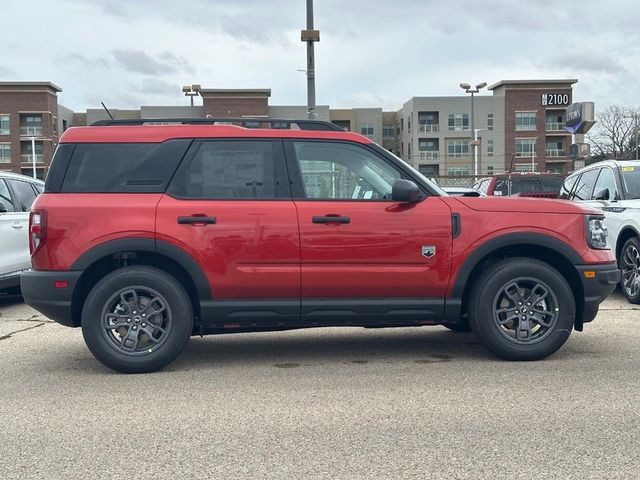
x,y
429,169
5,153
524,168
388,131
489,148
458,122
409,124
554,148
490,170
4,124
458,148
409,150
525,147
457,171
525,121
489,121
27,152
402,125
31,125
366,129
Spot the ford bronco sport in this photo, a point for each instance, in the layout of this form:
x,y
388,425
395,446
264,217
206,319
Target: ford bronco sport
x,y
148,234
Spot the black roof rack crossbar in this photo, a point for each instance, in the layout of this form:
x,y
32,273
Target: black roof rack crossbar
x,y
247,122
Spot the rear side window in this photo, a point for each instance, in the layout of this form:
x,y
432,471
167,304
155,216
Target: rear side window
x,y
24,194
233,169
123,167
5,196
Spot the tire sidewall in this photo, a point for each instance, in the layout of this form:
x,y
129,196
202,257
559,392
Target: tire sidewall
x,y
633,241
481,309
178,334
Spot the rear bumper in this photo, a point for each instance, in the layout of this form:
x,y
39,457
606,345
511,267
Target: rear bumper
x,y
597,287
9,280
39,292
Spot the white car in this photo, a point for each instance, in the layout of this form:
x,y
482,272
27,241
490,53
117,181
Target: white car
x,y
17,193
614,187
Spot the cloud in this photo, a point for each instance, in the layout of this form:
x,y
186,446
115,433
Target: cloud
x,y
137,61
587,62
154,86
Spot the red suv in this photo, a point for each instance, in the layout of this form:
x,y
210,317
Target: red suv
x,y
538,185
148,234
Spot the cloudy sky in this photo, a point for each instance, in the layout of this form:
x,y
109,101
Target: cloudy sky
x,y
372,53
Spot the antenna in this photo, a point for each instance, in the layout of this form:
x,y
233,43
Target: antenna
x,y
106,110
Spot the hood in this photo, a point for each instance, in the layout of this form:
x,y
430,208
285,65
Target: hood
x,y
635,203
525,205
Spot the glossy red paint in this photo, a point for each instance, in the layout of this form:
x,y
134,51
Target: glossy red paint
x,y
160,133
379,252
252,251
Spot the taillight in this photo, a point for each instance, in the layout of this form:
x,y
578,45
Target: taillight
x,y
37,229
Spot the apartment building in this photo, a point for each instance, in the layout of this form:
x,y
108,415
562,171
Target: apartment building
x,y
29,126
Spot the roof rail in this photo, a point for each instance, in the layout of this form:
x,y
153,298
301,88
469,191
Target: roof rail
x,y
247,122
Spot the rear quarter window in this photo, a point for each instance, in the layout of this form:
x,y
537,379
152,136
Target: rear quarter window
x,y
123,167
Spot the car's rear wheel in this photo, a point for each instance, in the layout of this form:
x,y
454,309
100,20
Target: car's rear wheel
x,y
522,309
137,319
629,265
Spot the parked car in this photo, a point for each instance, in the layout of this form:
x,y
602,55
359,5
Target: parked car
x,y
614,187
540,185
146,235
462,192
17,193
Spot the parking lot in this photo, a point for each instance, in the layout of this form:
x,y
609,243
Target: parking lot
x,y
322,403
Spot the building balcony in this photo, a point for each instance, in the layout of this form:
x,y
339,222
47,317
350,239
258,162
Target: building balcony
x,y
31,131
554,126
28,158
428,128
555,152
425,156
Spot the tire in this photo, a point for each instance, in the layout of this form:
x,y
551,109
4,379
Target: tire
x,y
629,264
508,284
137,319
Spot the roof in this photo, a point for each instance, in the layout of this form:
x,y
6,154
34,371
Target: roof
x,y
160,133
550,81
50,85
18,176
611,163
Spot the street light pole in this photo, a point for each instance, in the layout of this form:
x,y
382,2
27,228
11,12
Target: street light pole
x,y
33,156
310,35
191,91
474,157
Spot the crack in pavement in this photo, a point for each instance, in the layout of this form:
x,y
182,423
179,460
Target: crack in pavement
x,y
9,335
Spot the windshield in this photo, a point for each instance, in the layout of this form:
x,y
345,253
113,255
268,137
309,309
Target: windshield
x,y
528,184
431,183
631,181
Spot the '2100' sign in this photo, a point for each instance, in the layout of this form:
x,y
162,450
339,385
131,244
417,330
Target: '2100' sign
x,y
555,99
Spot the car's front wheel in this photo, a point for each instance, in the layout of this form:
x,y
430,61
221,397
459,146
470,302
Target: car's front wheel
x,y
629,265
522,309
137,319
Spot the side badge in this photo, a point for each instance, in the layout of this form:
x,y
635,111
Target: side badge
x,y
428,251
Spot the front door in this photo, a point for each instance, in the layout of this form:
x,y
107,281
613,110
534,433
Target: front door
x,y
14,226
365,256
229,206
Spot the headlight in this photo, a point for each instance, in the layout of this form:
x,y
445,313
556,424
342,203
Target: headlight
x,y
597,233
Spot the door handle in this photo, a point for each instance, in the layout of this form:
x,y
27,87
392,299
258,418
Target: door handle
x,y
17,226
331,219
197,220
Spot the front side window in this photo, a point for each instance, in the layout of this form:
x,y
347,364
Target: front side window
x,y
4,124
525,121
338,171
5,196
585,185
238,169
607,181
458,121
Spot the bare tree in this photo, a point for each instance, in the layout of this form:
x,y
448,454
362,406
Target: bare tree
x,y
612,137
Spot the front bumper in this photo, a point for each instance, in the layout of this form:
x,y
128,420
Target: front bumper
x,y
596,286
39,292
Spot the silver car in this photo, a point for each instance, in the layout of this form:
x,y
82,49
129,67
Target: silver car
x,y
614,187
17,193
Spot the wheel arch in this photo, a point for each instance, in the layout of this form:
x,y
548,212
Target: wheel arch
x,y
625,234
114,254
550,250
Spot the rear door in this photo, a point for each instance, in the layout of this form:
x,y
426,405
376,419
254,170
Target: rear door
x,y
17,197
364,256
229,207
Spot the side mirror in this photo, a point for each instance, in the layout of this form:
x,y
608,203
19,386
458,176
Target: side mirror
x,y
405,191
3,208
602,194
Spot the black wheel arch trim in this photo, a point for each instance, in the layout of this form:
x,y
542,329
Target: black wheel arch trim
x,y
510,240
619,246
169,250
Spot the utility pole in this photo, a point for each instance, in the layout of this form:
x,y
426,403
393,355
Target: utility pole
x,y
310,36
474,141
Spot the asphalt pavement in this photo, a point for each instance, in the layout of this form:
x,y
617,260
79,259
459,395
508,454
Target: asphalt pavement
x,y
322,403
